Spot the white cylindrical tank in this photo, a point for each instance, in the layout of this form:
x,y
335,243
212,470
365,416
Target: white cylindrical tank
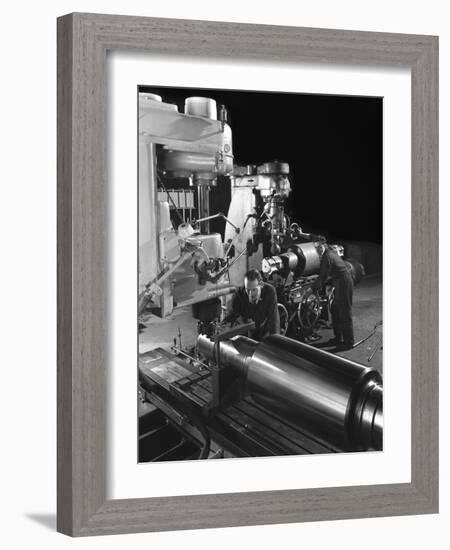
x,y
201,106
150,97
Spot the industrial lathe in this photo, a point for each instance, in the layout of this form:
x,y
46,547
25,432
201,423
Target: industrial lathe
x,y
223,394
248,398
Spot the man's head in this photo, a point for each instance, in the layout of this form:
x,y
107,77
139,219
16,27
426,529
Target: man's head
x,y
321,245
253,285
337,248
321,248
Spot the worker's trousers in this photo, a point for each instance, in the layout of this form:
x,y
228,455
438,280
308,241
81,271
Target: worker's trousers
x,y
341,309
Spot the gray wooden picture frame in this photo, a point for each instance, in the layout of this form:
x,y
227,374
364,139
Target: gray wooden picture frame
x,y
83,42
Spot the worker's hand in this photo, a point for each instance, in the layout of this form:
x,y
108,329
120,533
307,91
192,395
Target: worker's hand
x,y
233,322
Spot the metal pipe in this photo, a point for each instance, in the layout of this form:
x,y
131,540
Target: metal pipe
x,y
371,333
326,394
219,215
203,207
214,292
191,357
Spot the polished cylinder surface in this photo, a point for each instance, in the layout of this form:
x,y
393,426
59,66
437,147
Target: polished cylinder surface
x,y
308,259
318,389
290,260
368,417
234,353
301,258
337,399
274,167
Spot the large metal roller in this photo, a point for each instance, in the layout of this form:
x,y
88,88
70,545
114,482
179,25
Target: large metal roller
x,y
301,258
336,398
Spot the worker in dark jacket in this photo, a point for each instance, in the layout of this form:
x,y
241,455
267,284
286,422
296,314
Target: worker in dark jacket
x,y
333,267
256,301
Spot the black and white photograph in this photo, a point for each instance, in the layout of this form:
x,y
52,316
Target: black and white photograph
x,y
221,251
260,274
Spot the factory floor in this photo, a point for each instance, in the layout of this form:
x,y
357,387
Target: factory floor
x,y
180,327
367,312
177,328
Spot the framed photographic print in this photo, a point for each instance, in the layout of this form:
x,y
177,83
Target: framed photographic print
x,y
247,240
252,237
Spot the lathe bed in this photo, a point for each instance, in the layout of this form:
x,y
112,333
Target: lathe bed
x,y
181,391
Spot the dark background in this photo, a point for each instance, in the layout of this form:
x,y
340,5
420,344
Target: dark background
x,y
333,145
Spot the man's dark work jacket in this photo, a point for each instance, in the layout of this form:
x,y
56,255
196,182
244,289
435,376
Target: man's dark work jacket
x,y
333,266
264,313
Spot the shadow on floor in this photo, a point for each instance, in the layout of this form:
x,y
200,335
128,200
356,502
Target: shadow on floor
x,y
47,520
